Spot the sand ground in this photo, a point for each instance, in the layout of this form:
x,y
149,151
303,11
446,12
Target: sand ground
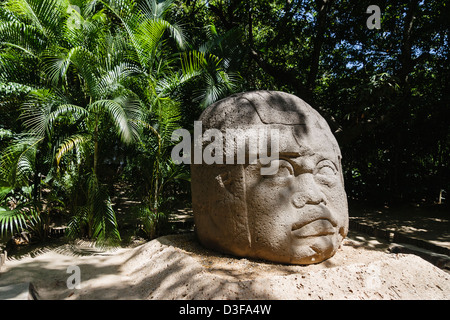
x,y
177,267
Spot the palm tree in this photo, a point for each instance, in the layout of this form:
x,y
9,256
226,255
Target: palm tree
x,y
80,75
215,66
94,67
147,28
97,69
23,37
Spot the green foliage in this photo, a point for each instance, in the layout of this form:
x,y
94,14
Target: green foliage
x,y
102,73
92,90
96,217
383,92
17,211
151,223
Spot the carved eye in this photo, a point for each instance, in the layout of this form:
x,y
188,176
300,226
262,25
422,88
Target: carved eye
x,y
278,169
326,173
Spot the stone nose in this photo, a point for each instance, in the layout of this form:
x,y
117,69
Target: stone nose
x,y
310,193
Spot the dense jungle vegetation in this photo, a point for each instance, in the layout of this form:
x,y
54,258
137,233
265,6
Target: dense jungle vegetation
x,y
91,91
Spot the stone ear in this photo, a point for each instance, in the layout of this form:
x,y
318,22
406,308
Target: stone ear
x,y
227,181
223,179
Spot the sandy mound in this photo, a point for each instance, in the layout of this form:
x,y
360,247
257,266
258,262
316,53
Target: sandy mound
x,y
176,267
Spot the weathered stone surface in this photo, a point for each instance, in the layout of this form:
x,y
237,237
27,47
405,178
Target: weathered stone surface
x,y
297,215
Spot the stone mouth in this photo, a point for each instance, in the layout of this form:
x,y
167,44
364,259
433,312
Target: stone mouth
x,y
316,228
314,220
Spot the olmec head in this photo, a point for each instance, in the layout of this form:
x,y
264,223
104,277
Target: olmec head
x,y
296,214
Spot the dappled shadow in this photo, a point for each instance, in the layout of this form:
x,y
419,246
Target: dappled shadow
x,y
158,271
48,273
61,246
427,223
178,267
361,240
171,267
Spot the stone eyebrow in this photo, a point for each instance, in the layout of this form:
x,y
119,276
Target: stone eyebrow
x,y
291,157
290,154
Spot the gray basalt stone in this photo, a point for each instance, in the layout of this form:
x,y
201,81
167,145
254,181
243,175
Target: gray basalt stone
x,y
297,214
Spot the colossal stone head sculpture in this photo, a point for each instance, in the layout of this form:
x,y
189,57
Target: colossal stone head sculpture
x,y
296,215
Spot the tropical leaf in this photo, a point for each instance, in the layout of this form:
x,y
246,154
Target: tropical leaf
x,y
212,70
86,65
110,81
97,215
153,9
46,15
105,223
18,160
17,220
69,144
37,112
117,110
26,38
169,120
146,27
76,112
96,67
86,29
15,66
55,64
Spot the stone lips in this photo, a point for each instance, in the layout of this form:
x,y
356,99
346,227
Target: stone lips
x,y
238,211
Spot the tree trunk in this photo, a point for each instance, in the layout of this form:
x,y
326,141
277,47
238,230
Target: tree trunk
x,y
323,7
95,145
403,113
405,55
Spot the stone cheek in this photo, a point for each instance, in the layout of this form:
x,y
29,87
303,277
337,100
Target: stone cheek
x,y
296,215
219,203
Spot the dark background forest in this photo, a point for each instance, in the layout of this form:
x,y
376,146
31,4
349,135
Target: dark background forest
x,y
90,92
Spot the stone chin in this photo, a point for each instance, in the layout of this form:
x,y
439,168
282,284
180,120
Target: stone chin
x,y
315,250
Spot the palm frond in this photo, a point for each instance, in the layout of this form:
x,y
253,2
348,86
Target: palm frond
x,y
46,15
12,221
76,112
77,222
153,9
143,124
193,63
55,65
21,36
97,215
117,110
86,28
122,8
169,120
7,15
86,64
69,144
15,66
38,111
17,220
145,27
105,223
18,159
150,32
111,80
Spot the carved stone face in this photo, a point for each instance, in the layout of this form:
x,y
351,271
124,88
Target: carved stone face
x,y
296,215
